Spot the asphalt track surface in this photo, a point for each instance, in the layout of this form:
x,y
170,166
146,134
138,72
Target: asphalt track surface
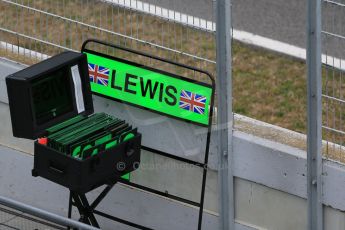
x,y
282,20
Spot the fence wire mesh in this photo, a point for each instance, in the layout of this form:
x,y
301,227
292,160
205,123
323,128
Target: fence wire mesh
x,y
34,29
267,86
333,79
11,219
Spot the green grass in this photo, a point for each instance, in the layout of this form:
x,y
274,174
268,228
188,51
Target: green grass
x,y
269,87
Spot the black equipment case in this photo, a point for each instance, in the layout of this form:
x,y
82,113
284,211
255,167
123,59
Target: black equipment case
x,y
48,93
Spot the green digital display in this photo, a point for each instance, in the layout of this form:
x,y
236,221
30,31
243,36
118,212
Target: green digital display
x,y
149,88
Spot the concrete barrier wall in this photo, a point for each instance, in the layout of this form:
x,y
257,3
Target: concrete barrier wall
x,y
270,183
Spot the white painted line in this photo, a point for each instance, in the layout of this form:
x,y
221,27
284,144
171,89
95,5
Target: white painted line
x,y
166,14
270,44
284,48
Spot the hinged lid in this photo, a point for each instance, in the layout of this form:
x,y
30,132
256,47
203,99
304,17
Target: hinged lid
x,y
48,93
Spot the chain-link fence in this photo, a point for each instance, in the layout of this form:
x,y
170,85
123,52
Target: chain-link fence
x,y
267,86
15,215
48,27
333,78
11,219
33,30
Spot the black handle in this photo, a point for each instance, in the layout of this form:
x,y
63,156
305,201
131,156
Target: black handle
x,y
56,170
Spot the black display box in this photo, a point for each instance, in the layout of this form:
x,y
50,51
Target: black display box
x,y
51,92
47,83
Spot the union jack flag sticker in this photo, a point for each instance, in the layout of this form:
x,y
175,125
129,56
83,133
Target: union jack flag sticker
x,y
192,102
98,74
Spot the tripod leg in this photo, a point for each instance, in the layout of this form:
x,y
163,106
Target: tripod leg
x,y
81,208
69,208
89,211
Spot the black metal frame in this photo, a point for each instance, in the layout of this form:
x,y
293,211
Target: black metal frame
x,y
87,211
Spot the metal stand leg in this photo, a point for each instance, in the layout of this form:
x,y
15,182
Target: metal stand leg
x,y
201,208
86,210
69,208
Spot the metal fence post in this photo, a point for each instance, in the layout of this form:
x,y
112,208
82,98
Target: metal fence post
x,y
314,133
225,117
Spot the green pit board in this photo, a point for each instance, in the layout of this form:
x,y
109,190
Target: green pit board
x,y
148,88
